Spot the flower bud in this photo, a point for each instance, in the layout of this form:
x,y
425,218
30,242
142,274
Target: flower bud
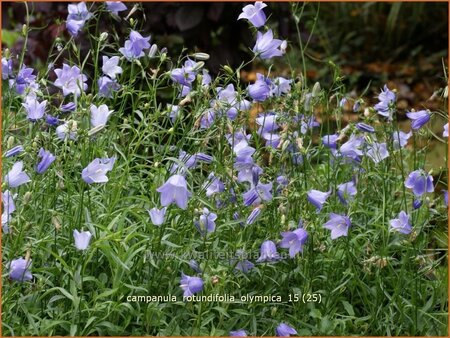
x,y
27,197
316,89
201,56
56,222
10,142
96,129
198,66
228,69
153,50
103,36
24,30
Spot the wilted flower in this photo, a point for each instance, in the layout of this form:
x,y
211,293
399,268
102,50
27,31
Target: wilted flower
x,y
419,119
47,158
14,151
400,139
82,239
346,192
19,270
175,191
420,182
268,252
115,7
294,241
157,216
111,66
266,46
35,110
16,176
99,116
70,80
190,285
238,333
96,171
385,106
284,330
401,224
338,225
318,198
254,14
377,151
206,223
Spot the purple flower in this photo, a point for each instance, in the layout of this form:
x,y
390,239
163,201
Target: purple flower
x,y
70,80
330,141
386,105
377,152
35,110
96,171
24,79
241,263
68,129
266,46
213,185
111,66
346,192
68,107
253,216
365,127
190,285
338,225
254,14
74,26
401,224
257,193
8,202
318,198
420,182
19,270
238,333
82,239
193,264
47,158
400,139
99,115
280,86
306,123
78,15
134,47
419,119
343,102
284,330
7,69
352,148
206,223
267,123
294,241
186,74
356,106
174,112
174,191
445,192
52,120
417,204
445,133
14,151
106,87
157,216
268,252
115,7
260,90
16,176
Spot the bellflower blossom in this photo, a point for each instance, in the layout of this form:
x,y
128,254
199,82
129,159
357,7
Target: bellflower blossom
x,y
16,176
213,185
24,79
420,182
318,198
365,127
387,100
8,208
280,86
260,90
19,270
115,7
7,68
294,241
238,333
352,148
254,14
111,66
445,132
186,74
106,87
330,141
157,215
81,239
78,15
134,46
67,130
47,158
268,252
174,191
206,223
400,139
240,263
377,151
419,119
266,46
99,115
96,171
70,80
258,192
284,330
190,285
346,192
14,151
401,224
338,225
34,109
